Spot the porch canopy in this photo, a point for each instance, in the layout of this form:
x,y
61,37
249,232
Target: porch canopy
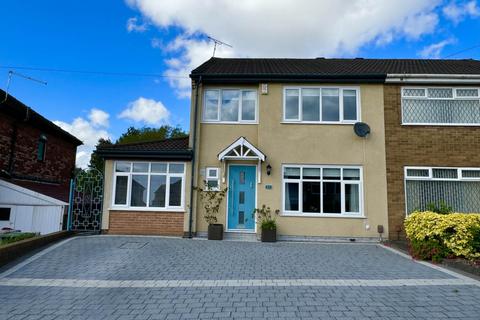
x,y
243,150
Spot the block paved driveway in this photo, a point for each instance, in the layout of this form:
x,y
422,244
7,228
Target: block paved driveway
x,y
116,277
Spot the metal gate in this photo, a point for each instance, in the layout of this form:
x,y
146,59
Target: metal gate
x,y
86,199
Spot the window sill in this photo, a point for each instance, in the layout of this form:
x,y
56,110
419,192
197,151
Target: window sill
x,y
442,124
320,123
179,210
228,122
312,215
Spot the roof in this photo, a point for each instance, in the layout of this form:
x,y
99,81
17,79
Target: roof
x,y
359,69
53,190
172,148
35,196
20,111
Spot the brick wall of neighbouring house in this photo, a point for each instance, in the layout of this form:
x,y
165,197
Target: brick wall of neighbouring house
x,y
146,223
453,146
59,163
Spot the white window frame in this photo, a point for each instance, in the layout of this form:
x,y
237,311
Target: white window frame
x,y
425,97
300,115
430,173
129,174
431,178
219,106
343,214
216,177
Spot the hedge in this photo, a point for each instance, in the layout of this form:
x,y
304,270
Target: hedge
x,y
434,236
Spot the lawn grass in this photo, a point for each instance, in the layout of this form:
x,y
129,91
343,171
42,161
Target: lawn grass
x,y
11,238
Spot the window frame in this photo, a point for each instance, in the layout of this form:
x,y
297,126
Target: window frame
x,y
425,97
431,178
341,105
219,105
215,178
42,140
149,173
342,214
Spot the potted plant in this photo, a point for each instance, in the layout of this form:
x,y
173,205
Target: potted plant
x,y
268,224
211,200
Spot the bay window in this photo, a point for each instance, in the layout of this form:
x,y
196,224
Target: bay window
x,y
321,105
458,188
440,106
230,106
155,185
322,190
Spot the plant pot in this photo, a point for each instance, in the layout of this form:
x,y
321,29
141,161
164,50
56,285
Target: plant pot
x,y
215,231
269,235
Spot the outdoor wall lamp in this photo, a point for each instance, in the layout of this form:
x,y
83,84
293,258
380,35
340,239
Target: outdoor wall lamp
x,y
269,169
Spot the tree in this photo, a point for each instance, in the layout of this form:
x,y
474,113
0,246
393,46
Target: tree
x,y
149,134
95,160
133,135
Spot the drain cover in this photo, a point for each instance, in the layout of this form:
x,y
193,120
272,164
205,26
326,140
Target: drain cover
x,y
133,245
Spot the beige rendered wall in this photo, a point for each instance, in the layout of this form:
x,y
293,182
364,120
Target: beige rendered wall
x,y
319,144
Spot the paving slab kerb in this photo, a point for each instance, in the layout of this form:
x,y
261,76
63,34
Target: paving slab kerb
x,y
114,277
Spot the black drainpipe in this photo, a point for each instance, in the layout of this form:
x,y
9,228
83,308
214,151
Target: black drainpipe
x,y
192,175
13,143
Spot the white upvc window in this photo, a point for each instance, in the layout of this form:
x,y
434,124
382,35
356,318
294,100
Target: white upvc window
x,y
230,106
445,106
158,186
212,178
458,188
331,191
328,105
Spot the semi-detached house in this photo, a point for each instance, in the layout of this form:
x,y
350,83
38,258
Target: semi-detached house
x,y
280,132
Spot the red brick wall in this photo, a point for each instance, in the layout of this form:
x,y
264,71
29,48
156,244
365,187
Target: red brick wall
x,y
433,146
146,223
59,156
57,167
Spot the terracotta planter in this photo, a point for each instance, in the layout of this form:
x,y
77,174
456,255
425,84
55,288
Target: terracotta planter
x,y
215,231
269,235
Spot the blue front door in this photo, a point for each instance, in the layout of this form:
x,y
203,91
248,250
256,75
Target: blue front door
x,y
241,197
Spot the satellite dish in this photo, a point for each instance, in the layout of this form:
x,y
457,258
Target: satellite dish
x,y
361,129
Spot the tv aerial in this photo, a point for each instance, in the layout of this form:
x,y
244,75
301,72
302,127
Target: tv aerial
x,y
12,73
217,42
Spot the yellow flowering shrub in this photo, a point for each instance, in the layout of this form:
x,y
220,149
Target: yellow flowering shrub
x,y
456,233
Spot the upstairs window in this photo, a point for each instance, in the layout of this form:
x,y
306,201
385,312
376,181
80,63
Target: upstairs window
x,y
42,146
230,106
321,105
440,106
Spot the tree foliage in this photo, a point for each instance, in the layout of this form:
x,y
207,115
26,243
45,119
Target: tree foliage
x,y
133,135
147,134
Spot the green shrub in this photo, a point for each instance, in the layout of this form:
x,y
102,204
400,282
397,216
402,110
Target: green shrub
x,y
430,249
441,208
266,218
435,236
14,237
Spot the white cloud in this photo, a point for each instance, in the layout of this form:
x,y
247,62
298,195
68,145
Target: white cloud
x,y
99,117
287,28
134,25
458,12
434,50
146,110
88,132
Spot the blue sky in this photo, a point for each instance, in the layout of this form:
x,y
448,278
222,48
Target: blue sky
x,y
167,38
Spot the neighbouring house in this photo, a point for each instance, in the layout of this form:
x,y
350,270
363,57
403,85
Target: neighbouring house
x,y
280,132
37,161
